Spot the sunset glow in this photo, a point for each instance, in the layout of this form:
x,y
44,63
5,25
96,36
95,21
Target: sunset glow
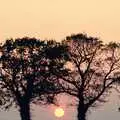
x,y
59,112
56,19
59,59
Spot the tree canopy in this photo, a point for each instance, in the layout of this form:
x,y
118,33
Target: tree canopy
x,y
27,72
95,67
35,71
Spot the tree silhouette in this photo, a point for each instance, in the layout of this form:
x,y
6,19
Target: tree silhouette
x,y
94,68
26,73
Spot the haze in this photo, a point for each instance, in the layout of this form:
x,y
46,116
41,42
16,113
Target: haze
x,y
55,19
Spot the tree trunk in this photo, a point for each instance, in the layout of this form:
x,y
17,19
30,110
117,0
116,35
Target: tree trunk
x,y
25,111
81,112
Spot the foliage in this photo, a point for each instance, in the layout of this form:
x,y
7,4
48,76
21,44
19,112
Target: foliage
x,y
27,67
95,67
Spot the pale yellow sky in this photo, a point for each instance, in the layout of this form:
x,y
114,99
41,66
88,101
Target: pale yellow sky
x,y
59,18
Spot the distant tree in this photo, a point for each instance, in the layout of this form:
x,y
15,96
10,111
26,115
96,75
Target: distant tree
x,y
25,73
93,68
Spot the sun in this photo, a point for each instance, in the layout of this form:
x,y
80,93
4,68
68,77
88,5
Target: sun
x,y
59,112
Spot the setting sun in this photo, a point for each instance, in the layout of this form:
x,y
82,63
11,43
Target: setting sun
x,y
59,112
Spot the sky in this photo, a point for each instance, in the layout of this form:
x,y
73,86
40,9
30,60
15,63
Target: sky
x,y
106,111
56,19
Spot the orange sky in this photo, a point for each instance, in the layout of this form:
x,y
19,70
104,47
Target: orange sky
x,y
59,18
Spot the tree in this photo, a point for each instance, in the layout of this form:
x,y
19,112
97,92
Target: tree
x,y
94,68
25,73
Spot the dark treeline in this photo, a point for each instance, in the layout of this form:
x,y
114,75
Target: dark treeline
x,y
36,71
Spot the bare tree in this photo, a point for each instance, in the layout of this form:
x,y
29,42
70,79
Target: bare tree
x,y
94,68
26,77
